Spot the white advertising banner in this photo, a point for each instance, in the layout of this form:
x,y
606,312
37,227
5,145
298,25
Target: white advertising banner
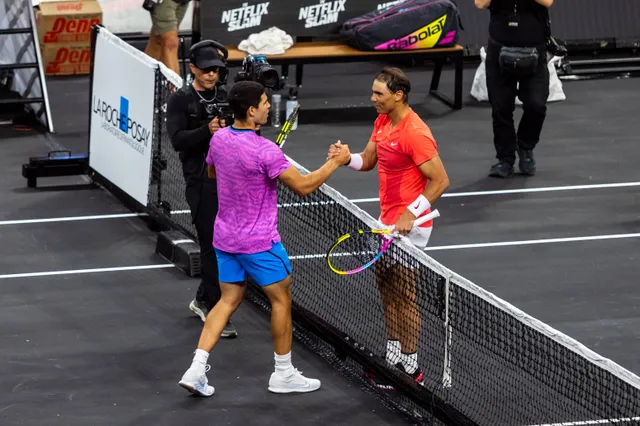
x,y
122,102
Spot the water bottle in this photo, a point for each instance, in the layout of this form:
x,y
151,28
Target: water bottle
x,y
275,110
291,104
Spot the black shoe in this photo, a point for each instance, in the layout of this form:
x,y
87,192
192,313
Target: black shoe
x,y
527,163
229,331
417,376
501,170
376,381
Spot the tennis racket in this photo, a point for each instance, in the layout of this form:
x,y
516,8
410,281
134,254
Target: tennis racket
x,y
356,251
287,126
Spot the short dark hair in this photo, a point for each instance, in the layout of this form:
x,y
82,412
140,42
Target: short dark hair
x,y
243,95
395,80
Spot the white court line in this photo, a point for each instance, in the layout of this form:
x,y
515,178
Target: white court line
x,y
594,422
355,201
70,218
85,271
529,242
500,244
520,191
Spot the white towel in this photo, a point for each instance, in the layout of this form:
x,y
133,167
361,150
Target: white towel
x,y
272,41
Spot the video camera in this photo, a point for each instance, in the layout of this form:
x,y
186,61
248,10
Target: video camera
x,y
219,108
256,68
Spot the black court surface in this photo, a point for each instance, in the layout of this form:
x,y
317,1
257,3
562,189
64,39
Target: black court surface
x,y
95,328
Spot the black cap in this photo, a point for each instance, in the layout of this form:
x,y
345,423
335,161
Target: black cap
x,y
207,57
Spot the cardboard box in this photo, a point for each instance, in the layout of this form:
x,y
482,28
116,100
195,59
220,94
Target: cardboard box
x,y
64,32
66,59
67,21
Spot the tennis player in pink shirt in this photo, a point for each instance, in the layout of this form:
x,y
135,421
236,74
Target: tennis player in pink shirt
x,y
247,168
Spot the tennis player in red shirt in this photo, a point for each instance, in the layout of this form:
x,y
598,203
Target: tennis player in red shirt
x,y
411,178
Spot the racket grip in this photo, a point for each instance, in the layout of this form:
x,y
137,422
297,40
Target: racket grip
x,y
432,215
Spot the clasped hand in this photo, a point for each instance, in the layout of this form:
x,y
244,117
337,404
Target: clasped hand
x,y
340,152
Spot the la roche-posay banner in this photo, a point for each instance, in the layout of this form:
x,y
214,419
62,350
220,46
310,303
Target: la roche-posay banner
x,y
121,135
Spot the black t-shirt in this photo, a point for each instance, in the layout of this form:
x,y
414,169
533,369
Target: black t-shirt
x,y
518,22
188,136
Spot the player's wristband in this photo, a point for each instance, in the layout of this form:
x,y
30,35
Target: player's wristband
x,y
356,162
419,206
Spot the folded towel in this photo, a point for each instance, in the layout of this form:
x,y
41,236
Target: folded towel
x,y
272,41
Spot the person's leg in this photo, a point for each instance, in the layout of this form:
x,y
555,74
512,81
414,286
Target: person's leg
x,y
165,25
410,325
204,218
154,47
533,92
195,379
271,270
384,279
200,304
203,203
398,287
409,312
502,91
232,294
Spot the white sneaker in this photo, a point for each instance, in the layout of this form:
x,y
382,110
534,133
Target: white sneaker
x,y
197,383
294,383
199,309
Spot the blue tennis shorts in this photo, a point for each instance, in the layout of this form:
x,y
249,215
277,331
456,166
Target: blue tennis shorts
x,y
265,268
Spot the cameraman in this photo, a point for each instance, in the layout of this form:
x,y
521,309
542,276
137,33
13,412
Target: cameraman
x,y
166,16
516,54
191,122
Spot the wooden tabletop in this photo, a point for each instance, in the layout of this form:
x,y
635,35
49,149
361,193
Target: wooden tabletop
x,y
332,49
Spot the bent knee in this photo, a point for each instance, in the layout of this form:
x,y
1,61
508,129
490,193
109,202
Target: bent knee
x,y
170,41
535,106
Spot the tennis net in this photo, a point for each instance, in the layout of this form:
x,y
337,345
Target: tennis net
x,y
484,361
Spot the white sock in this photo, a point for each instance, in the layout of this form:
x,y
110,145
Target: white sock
x,y
410,362
283,364
393,352
200,358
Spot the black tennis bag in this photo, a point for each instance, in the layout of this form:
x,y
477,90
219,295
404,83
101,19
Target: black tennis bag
x,y
412,24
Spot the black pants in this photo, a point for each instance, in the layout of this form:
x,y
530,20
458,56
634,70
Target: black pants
x,y
503,88
203,202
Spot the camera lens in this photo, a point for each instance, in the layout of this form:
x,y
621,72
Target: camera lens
x,y
268,77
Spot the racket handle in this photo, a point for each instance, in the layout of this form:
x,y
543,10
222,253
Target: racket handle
x,y
432,215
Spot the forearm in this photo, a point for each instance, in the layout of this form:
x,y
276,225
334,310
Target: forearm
x,y
315,179
435,188
187,140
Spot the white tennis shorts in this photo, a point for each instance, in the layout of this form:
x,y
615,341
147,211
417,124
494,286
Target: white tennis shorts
x,y
418,237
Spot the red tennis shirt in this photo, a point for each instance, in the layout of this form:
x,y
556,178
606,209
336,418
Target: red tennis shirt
x,y
400,151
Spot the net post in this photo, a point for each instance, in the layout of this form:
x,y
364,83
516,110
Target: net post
x,y
157,155
446,374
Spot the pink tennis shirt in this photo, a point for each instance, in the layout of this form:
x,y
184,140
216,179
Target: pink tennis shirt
x,y
247,167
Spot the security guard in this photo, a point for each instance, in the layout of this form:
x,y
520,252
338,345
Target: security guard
x,y
192,119
516,65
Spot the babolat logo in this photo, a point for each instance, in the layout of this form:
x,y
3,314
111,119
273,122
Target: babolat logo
x,y
424,38
322,13
389,3
118,122
247,16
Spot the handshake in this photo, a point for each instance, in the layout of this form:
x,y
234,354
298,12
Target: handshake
x,y
339,153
